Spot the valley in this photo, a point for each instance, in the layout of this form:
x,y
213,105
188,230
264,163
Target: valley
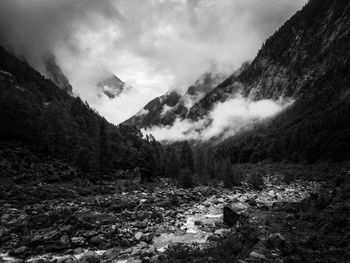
x,y
127,221
246,166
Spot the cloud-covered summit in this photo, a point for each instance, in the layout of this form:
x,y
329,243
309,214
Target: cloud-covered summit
x,y
154,45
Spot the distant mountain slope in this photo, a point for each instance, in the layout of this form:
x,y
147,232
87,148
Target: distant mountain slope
x,y
165,109
315,128
313,41
111,86
39,115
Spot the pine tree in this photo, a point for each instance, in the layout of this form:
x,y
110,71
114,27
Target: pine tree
x,y
227,174
186,157
202,168
275,150
186,178
147,163
104,151
210,164
173,166
237,175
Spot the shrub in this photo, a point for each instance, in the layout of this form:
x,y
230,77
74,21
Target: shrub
x,y
186,179
288,177
237,175
255,180
227,174
233,176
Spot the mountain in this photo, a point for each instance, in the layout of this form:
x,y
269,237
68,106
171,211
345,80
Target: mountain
x,y
55,74
38,115
111,86
307,59
164,110
312,42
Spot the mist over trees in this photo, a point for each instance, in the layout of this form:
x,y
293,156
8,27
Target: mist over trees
x,y
47,120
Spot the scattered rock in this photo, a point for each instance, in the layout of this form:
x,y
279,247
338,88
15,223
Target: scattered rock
x,y
154,259
147,237
20,250
138,235
276,241
111,254
198,223
78,241
133,260
64,240
251,202
96,240
256,255
90,257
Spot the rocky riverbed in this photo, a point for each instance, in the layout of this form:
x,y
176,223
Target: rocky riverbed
x,y
133,224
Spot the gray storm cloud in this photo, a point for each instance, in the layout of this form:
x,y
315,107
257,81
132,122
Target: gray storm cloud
x,y
153,45
36,28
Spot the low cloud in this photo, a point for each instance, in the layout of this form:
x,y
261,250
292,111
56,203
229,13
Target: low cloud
x,y
225,120
154,45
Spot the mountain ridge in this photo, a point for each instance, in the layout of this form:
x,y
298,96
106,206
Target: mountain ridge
x,y
164,110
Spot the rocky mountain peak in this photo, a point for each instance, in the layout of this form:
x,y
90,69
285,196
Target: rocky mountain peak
x,y
56,75
111,86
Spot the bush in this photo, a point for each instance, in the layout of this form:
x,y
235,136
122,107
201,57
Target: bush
x,y
288,177
237,175
186,179
255,180
233,176
228,176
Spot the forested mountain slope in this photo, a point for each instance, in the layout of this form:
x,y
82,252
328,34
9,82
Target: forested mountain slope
x,y
308,58
39,115
315,128
306,47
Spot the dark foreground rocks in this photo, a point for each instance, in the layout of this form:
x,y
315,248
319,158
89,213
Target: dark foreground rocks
x,y
79,223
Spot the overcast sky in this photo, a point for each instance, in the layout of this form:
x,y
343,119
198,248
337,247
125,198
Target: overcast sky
x,y
153,45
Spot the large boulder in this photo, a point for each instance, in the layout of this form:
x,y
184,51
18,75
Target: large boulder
x,y
230,216
234,212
